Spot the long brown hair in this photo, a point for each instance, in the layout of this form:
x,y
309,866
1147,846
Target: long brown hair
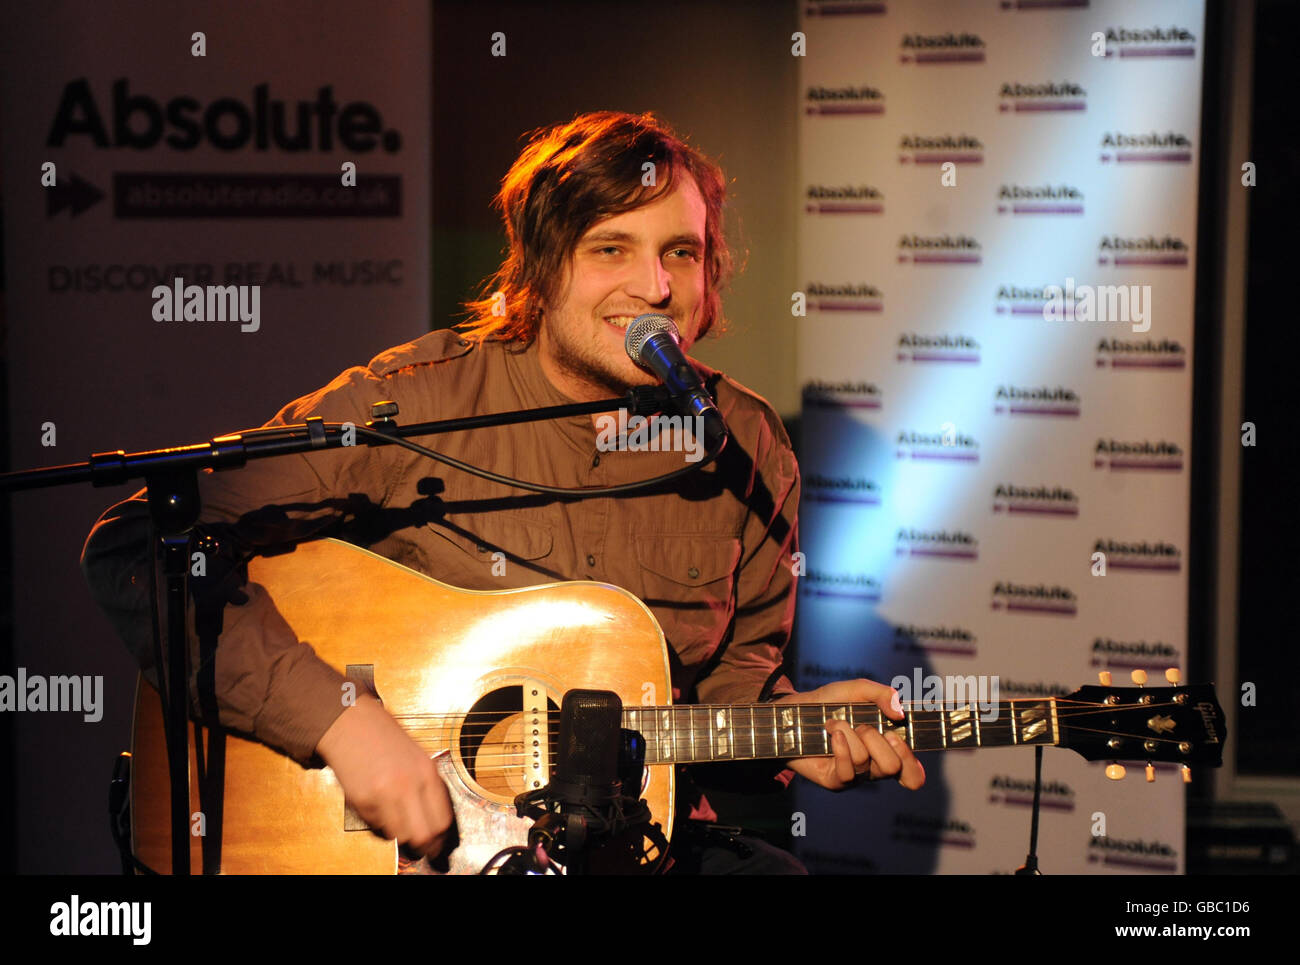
x,y
569,177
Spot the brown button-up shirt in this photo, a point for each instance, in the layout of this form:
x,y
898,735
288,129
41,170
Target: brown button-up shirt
x,y
710,553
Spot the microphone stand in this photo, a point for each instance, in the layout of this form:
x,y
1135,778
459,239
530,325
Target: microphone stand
x,y
171,477
1030,867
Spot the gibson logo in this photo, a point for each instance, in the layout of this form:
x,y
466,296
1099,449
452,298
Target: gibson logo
x,y
1207,717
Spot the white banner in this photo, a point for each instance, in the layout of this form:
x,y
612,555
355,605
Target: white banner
x,y
995,470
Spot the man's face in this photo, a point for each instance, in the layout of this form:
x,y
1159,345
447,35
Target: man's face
x,y
650,259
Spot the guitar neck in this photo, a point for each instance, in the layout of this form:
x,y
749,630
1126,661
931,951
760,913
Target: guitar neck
x,y
733,732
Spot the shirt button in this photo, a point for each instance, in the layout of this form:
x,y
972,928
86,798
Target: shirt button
x,y
591,560
595,460
693,572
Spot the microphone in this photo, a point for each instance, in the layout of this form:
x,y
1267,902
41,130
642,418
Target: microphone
x,y
654,343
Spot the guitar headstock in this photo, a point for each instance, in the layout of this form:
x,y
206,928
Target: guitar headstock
x,y
1179,724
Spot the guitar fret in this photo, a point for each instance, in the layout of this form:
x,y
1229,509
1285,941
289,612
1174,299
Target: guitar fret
x,y
724,742
632,722
962,727
705,731
753,750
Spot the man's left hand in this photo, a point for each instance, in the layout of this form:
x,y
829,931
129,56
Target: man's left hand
x,y
862,752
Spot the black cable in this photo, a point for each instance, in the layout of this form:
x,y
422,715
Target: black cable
x,y
581,492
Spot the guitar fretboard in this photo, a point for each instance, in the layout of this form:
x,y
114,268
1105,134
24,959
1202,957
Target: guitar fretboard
x,y
729,732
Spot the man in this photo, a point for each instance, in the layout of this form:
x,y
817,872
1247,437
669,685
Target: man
x,y
608,217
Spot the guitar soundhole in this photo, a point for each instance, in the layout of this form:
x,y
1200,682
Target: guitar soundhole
x,y
496,743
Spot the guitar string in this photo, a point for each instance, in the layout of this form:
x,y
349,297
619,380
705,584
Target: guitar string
x,y
681,731
489,719
774,744
1073,708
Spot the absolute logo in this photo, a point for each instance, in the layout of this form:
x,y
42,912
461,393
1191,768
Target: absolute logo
x,y
948,48
844,199
1024,299
1035,598
1132,654
939,250
940,149
956,641
1158,557
948,445
923,829
849,99
1034,688
837,862
844,8
840,585
1034,98
1040,199
1171,147
821,671
842,395
844,298
1142,455
1152,855
1166,252
1041,501
1042,400
856,490
1150,42
913,347
184,123
1019,792
1122,353
937,544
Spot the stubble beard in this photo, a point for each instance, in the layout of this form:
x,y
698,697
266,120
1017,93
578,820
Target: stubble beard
x,y
581,363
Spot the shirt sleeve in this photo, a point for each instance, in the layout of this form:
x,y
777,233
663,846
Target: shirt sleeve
x,y
268,683
749,665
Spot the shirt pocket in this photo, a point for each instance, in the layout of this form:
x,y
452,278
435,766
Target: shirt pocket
x,y
493,552
687,580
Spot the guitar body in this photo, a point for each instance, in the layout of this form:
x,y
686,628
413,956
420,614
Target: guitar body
x,y
461,670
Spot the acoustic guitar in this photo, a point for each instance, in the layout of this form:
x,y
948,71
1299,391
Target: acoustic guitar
x,y
477,678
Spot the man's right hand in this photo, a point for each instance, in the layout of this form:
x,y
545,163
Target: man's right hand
x,y
390,780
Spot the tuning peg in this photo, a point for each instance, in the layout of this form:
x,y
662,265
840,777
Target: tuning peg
x,y
1104,677
1139,677
1187,774
1151,773
1173,676
1115,771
